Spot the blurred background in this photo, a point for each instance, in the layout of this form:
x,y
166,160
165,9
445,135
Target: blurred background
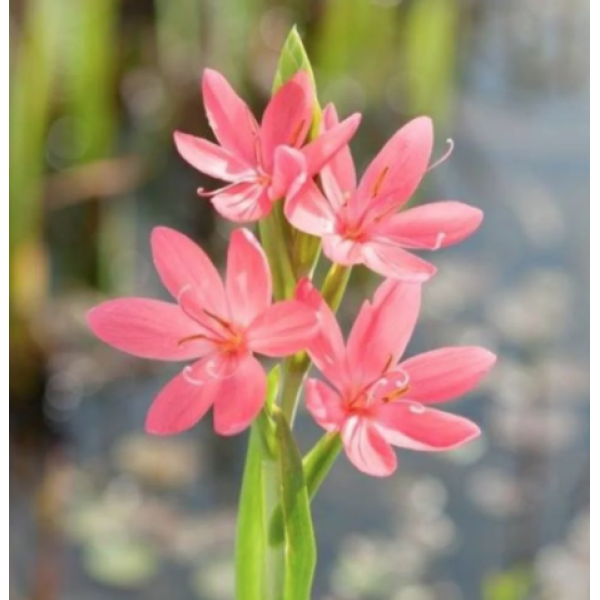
x,y
98,509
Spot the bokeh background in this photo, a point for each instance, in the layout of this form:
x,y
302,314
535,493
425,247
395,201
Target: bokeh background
x,y
101,511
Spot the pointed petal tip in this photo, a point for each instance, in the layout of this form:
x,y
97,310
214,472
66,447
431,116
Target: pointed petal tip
x,y
211,76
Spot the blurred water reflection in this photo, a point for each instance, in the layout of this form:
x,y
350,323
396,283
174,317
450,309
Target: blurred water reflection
x,y
106,512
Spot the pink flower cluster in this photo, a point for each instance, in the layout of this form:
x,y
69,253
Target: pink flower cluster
x,y
370,397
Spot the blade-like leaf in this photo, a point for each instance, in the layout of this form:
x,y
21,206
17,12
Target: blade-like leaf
x,y
293,58
316,464
430,54
260,476
300,548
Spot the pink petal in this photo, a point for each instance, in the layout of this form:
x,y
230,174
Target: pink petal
x,y
248,280
230,118
289,172
147,328
414,426
283,329
446,373
432,226
240,397
383,329
341,250
188,273
321,150
367,449
338,177
397,170
288,116
179,406
215,365
243,203
215,161
324,405
309,211
326,349
390,260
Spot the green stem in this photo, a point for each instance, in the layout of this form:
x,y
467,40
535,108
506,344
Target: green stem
x,y
273,238
295,369
335,284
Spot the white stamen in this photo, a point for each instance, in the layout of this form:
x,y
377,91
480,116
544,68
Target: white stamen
x,y
401,383
186,373
444,157
209,194
439,240
184,290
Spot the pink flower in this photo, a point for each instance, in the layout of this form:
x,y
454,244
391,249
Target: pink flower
x,y
374,401
222,325
260,163
360,224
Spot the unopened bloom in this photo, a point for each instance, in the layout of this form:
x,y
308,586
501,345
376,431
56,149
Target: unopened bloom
x,y
221,324
360,224
374,401
260,162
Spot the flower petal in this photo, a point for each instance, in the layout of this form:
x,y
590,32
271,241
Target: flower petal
x,y
244,202
289,172
383,329
324,405
326,349
282,329
288,117
188,273
179,406
321,150
230,118
367,449
411,425
309,211
390,260
240,397
248,280
147,328
396,172
215,161
339,176
341,250
432,226
447,373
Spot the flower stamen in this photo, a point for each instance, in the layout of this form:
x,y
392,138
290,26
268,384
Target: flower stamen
x,y
444,157
379,182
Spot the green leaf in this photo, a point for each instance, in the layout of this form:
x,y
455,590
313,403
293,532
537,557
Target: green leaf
x,y
316,464
300,553
30,94
430,51
293,58
251,553
250,550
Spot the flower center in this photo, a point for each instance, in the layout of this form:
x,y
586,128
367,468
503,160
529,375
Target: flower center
x,y
223,334
381,391
233,344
